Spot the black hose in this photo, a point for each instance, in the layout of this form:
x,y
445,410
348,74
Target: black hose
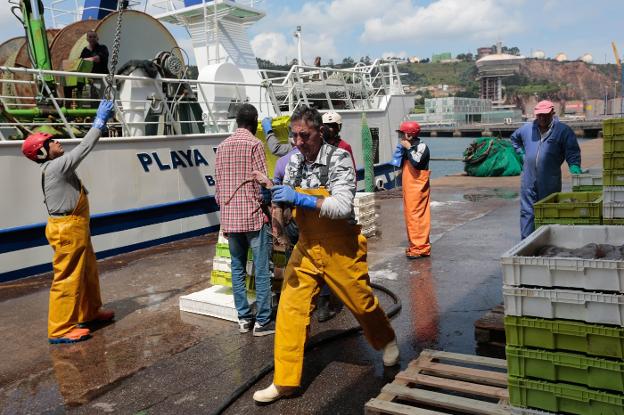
x,y
238,392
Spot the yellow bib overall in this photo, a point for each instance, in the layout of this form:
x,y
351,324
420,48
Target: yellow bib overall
x,y
333,251
75,292
416,193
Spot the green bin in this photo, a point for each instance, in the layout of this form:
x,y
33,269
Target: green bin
x,y
565,335
562,398
225,279
613,127
571,205
565,367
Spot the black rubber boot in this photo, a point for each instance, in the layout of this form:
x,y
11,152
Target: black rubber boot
x,y
324,312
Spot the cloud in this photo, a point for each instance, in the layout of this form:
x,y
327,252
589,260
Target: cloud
x,y
276,47
442,19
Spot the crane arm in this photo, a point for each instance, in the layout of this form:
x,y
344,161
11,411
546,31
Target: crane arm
x,y
618,61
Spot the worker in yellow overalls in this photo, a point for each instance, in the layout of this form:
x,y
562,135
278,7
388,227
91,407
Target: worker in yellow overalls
x,y
320,182
75,292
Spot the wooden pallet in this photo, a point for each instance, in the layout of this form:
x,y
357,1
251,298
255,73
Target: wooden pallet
x,y
442,383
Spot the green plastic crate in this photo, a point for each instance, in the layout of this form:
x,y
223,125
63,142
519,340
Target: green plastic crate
x,y
586,205
592,339
616,221
613,127
613,145
225,279
223,251
567,221
587,188
563,398
565,367
613,161
613,178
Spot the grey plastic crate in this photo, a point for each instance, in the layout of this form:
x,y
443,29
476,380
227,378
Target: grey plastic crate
x,y
520,267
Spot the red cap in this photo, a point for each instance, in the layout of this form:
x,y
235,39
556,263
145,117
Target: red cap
x,y
34,143
410,127
544,107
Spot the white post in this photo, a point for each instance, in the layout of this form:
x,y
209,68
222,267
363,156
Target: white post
x,y
299,51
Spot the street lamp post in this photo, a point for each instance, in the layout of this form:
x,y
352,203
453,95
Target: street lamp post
x,y
614,96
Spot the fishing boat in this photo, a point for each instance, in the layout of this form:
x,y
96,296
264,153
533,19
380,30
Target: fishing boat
x,y
151,179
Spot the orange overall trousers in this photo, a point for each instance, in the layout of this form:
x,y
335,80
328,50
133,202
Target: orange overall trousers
x,y
416,193
333,251
75,291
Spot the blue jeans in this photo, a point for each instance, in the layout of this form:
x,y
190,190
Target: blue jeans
x,y
260,243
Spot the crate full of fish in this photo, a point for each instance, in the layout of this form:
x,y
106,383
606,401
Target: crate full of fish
x,y
572,256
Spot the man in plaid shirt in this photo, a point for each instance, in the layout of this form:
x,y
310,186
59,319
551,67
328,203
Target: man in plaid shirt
x,y
243,220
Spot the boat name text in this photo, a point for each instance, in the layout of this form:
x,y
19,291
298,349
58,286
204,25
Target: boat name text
x,y
178,158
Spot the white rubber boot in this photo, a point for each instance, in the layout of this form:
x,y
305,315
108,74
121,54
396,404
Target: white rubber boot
x,y
271,393
391,353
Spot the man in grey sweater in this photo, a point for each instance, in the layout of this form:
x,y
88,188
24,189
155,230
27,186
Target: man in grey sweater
x,y
75,300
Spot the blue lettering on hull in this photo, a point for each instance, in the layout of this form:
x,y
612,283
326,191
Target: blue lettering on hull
x,y
177,159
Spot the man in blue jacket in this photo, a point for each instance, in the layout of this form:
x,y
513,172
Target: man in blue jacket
x,y
545,144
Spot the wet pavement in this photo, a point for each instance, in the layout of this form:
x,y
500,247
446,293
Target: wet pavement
x,y
156,359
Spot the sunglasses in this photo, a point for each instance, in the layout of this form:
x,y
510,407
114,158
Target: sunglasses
x,y
304,135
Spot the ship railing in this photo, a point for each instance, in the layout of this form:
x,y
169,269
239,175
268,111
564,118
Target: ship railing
x,y
23,109
360,87
166,6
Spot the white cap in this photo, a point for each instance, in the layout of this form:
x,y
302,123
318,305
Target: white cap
x,y
331,117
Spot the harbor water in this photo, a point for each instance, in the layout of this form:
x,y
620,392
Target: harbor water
x,y
451,147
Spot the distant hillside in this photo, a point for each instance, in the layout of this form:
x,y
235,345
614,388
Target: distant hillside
x,y
426,74
576,80
545,78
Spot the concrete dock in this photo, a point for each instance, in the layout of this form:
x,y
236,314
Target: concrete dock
x,y
155,359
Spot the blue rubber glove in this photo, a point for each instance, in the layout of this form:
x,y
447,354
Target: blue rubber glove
x,y
575,169
286,194
397,156
267,125
104,112
266,195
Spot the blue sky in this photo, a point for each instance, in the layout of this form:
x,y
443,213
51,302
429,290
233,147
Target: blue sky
x,y
339,28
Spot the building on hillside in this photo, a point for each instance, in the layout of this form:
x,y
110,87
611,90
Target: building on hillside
x,y
458,111
491,70
484,51
441,57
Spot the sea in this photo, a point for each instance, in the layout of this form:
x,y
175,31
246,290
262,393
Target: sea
x,y
450,147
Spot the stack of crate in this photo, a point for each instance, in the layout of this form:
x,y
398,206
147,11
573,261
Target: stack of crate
x,y
365,212
564,324
222,266
587,182
569,208
613,172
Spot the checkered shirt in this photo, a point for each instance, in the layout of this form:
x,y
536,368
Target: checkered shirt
x,y
237,156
